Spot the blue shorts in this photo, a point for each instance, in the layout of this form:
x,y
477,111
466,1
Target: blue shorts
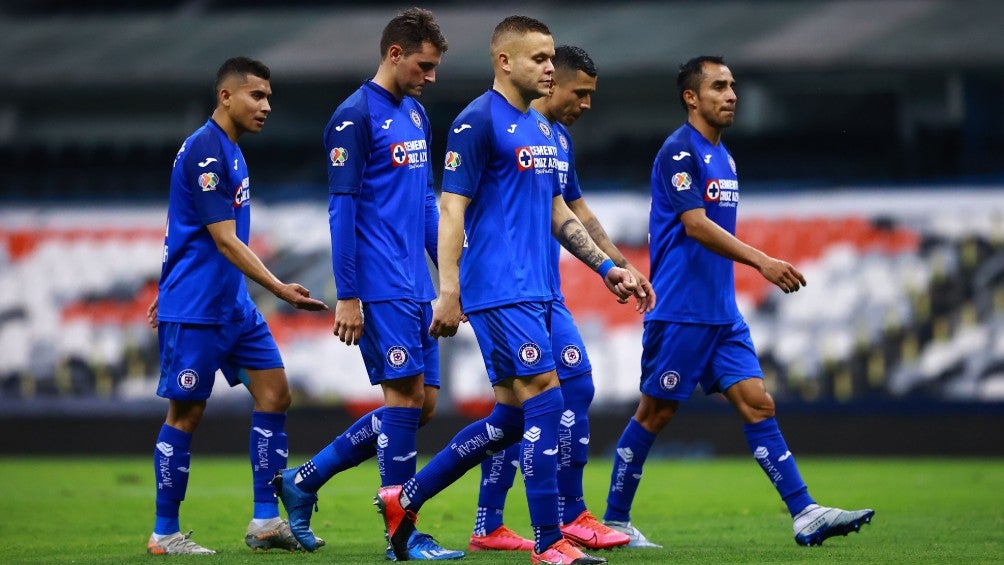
x,y
570,356
190,354
514,339
676,357
396,341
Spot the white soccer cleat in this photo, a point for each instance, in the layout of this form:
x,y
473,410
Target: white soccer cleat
x,y
638,539
816,523
176,544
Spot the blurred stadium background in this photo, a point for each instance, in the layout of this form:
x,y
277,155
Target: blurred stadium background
x,y
871,154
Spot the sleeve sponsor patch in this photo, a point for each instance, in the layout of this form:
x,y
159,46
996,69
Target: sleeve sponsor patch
x,y
681,181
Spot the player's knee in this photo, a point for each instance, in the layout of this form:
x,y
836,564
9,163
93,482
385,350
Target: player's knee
x,y
758,408
275,400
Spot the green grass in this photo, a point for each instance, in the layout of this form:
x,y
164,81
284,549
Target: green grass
x,y
71,510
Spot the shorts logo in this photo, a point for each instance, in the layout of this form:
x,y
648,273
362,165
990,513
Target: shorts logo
x,y
188,379
415,118
524,159
544,128
563,142
338,156
712,191
452,160
398,155
397,356
529,354
681,181
669,380
208,181
571,356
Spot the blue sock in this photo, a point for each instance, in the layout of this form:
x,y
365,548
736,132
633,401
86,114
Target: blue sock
x,y
355,445
491,434
498,473
538,460
396,452
771,452
573,443
269,450
632,450
171,460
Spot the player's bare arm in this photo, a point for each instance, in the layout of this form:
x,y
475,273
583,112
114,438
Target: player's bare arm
x,y
572,235
644,302
151,313
349,321
716,239
447,312
224,234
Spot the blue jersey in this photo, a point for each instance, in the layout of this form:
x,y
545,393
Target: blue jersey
x,y
383,214
694,284
570,191
505,161
209,184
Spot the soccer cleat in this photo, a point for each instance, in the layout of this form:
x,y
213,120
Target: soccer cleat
x,y
176,544
588,532
423,547
637,538
398,522
564,552
299,506
502,539
816,523
274,535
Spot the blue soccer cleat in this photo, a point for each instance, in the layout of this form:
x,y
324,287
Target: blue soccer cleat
x,y
816,523
299,506
423,547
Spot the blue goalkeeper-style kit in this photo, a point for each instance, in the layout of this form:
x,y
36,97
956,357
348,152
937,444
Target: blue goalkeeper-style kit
x,y
383,219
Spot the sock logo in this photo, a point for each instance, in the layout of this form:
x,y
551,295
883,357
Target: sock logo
x,y
532,435
784,457
494,434
625,454
383,441
403,458
283,453
262,431
761,452
551,451
182,469
568,418
165,448
584,440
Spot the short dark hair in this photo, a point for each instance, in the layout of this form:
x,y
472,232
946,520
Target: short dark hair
x,y
571,58
242,66
518,24
410,29
691,73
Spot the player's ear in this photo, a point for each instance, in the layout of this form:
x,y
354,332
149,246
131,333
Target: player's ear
x,y
502,59
395,53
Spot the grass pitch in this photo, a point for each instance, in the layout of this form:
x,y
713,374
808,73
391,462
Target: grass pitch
x,y
73,510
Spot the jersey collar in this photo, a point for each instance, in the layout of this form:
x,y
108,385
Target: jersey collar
x,y
383,92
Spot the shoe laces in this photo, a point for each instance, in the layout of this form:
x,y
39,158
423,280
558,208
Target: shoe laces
x,y
182,542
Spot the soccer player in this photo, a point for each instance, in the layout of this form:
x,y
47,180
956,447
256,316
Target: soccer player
x,y
206,320
383,220
574,82
696,333
500,203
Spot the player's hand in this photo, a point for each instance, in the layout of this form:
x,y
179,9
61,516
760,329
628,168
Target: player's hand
x,y
299,297
644,294
623,284
349,321
151,313
782,274
446,316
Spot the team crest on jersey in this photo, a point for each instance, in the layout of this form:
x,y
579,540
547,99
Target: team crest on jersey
x,y
524,159
397,356
529,354
732,163
416,118
669,380
452,161
398,155
188,379
208,181
681,181
563,142
338,157
544,129
571,356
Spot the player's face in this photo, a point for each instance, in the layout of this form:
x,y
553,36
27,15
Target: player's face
x,y
531,67
246,102
571,95
716,100
414,71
